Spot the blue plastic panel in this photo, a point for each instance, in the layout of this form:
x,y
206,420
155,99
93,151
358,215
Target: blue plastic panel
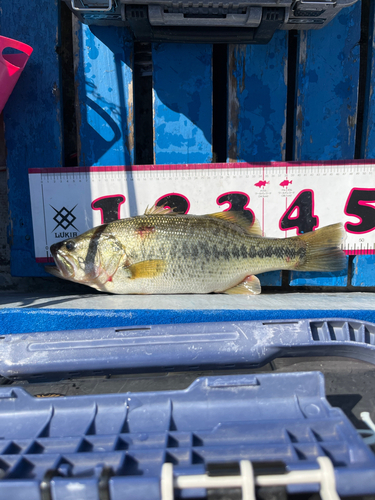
x,y
182,87
121,441
103,58
28,319
182,347
326,111
32,118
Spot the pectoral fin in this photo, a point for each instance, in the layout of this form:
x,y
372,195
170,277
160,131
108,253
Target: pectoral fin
x,y
147,269
249,286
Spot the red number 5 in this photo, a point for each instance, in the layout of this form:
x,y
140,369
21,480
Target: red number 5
x,y
359,205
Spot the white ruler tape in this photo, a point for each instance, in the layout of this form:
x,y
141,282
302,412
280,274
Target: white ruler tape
x,y
286,198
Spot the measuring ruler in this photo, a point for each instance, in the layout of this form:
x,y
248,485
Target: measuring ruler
x,y
286,198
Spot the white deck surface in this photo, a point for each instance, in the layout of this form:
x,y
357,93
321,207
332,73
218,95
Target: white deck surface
x,y
282,301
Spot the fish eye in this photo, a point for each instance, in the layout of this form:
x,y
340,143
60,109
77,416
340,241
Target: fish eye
x,y
70,245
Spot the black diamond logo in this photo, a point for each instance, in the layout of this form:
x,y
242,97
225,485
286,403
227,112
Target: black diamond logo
x,y
64,218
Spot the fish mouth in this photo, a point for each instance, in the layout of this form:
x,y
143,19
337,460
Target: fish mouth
x,y
53,270
64,267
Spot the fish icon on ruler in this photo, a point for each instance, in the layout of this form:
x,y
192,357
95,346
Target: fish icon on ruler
x,y
285,183
261,184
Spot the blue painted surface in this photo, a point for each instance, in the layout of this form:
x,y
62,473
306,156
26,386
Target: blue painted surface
x,y
327,92
104,57
32,117
257,100
368,139
364,265
339,278
182,103
257,107
29,320
327,88
363,271
273,278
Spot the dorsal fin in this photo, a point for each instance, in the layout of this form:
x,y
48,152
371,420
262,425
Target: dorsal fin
x,y
155,210
240,220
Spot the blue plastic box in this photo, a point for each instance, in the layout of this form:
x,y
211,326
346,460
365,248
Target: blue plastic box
x,y
176,347
73,448
233,431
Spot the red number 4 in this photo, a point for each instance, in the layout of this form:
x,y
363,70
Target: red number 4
x,y
304,219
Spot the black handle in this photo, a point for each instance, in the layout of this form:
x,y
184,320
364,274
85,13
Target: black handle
x,y
137,18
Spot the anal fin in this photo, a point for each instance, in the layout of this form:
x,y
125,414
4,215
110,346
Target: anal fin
x,y
249,286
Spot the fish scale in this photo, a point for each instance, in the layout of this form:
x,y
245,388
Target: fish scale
x,y
164,252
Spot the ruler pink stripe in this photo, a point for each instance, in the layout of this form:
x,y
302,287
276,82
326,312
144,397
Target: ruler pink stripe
x,y
360,252
196,166
44,260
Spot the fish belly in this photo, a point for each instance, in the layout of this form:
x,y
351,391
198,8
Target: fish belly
x,y
178,279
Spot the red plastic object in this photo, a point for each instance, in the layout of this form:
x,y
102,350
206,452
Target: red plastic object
x,y
11,66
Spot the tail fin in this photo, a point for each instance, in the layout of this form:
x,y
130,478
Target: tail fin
x,y
322,249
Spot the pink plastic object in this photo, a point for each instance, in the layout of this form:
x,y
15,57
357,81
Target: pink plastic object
x,y
11,66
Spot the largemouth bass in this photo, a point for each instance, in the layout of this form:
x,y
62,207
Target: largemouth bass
x,y
164,253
